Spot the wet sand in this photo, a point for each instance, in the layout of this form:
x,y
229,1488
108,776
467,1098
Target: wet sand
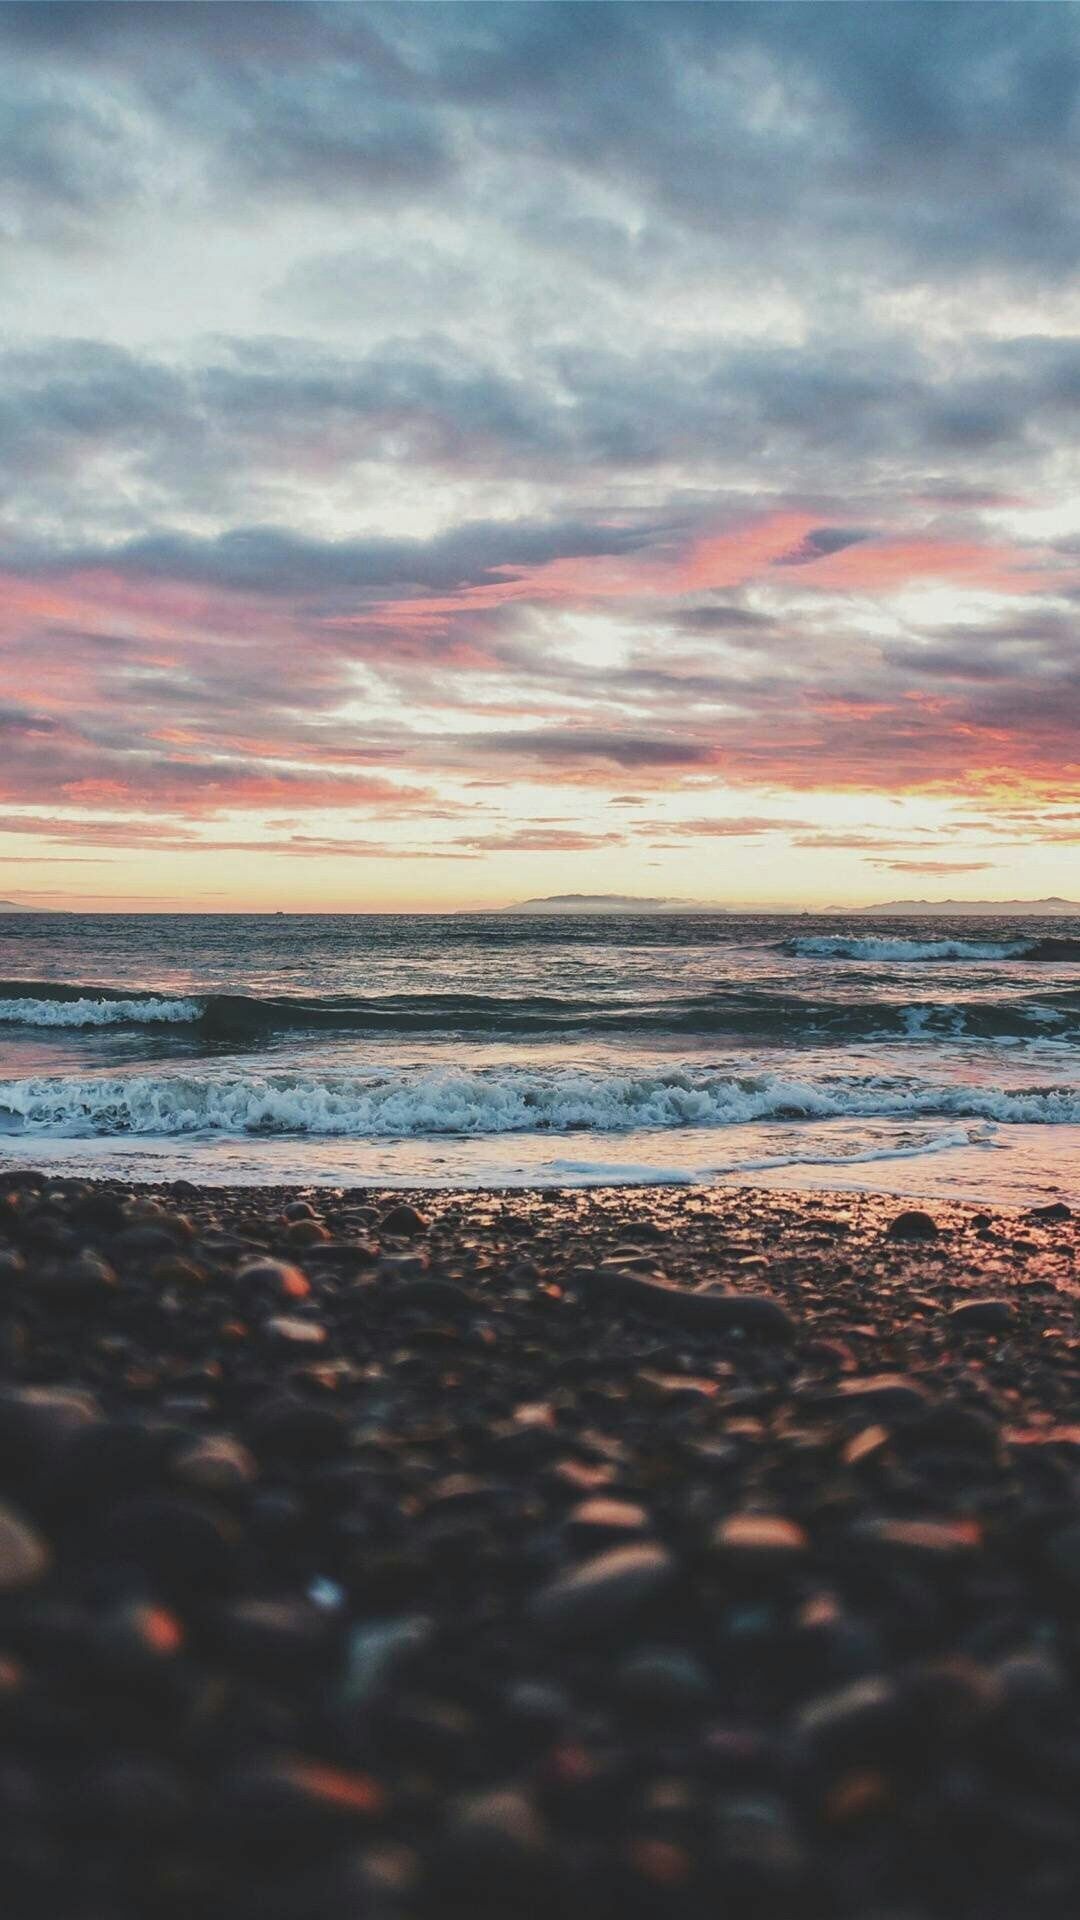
x,y
613,1553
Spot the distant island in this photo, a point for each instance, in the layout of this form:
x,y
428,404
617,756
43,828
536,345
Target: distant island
x,y
20,906
1052,905
608,903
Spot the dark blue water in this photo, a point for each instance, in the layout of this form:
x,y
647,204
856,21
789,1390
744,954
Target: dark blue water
x,y
920,1055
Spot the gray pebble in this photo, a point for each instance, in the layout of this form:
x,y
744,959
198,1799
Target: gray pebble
x,y
604,1590
24,1555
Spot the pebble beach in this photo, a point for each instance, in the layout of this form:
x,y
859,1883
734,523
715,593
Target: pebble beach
x,y
611,1553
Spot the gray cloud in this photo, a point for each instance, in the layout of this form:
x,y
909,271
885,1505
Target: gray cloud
x,y
942,146
563,746
106,441
269,560
590,284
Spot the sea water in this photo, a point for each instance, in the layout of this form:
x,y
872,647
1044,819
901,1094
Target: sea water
x,y
923,1056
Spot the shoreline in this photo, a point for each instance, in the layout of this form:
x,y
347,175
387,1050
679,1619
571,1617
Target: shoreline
x,y
182,1192
420,1553
1034,1165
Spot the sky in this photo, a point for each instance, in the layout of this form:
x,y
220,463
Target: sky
x,y
457,453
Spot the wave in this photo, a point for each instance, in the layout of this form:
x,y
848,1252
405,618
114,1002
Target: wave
x,y
404,1103
751,1012
872,946
94,1011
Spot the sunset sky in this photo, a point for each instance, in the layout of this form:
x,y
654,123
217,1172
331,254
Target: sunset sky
x,y
454,453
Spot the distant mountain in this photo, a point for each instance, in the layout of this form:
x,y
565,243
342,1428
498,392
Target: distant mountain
x,y
1052,905
608,903
20,906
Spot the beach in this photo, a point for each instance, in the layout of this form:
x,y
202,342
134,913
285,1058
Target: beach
x,y
622,1552
539,961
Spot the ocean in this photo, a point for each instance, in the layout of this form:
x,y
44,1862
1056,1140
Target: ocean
x,y
922,1057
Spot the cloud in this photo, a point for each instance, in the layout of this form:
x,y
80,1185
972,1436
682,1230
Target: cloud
x,y
563,746
260,98
541,840
854,842
546,396
935,866
740,827
746,125
199,460
819,542
271,560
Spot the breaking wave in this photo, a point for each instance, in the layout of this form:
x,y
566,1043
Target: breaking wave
x,y
873,946
92,1010
746,1011
403,1104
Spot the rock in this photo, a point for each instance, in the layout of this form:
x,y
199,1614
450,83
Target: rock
x,y
282,1638
378,1651
603,1591
215,1463
344,1254
39,1424
179,1544
497,1601
305,1233
646,1230
948,1700
172,1270
491,1858
1056,1210
142,1242
78,1281
983,1316
760,1858
289,1428
536,1709
403,1221
951,1426
111,1458
405,1264
919,1540
24,1555
833,1644
761,1542
1033,1685
852,1722
287,1797
283,1331
913,1225
99,1212
881,1394
594,1521
138,1634
45,1233
279,1277
663,1679
757,1315
466,1493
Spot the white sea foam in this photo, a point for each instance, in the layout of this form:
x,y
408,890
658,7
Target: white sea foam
x,y
408,1104
87,1012
813,1155
872,946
